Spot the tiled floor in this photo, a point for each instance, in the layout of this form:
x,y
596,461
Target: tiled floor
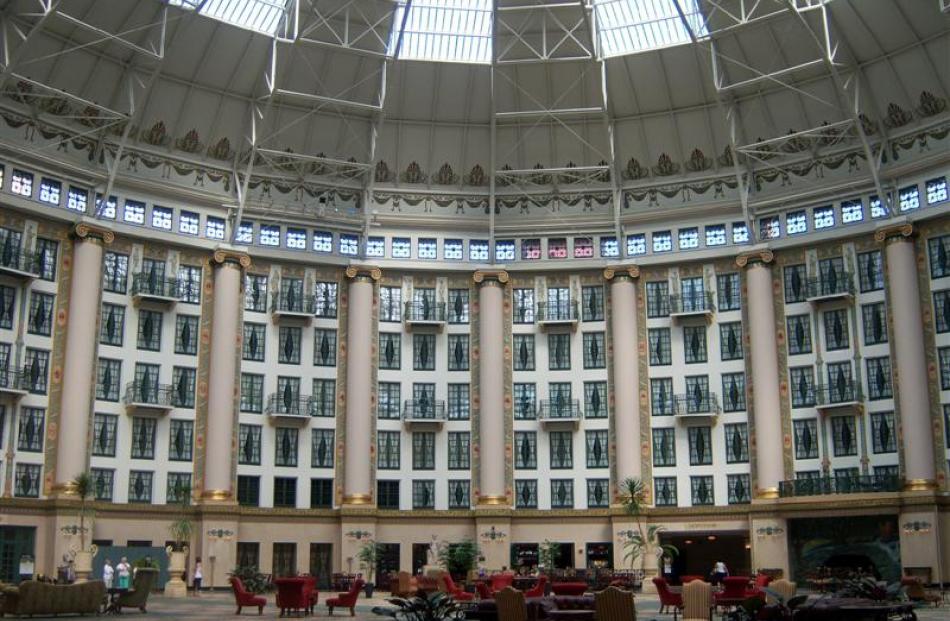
x,y
216,606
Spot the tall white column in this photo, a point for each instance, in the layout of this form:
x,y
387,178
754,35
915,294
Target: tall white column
x,y
910,362
357,478
223,360
491,395
80,359
626,370
767,414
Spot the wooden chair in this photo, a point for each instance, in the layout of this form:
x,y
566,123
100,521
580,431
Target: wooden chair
x,y
511,605
698,601
784,588
613,604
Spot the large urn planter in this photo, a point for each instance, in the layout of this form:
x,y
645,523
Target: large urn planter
x,y
82,562
176,587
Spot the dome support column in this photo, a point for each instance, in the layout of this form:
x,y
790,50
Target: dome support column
x,y
491,395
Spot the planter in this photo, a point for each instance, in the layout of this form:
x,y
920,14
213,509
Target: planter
x,y
368,589
176,587
82,563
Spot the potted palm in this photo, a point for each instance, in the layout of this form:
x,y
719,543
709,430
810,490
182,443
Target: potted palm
x,y
368,555
181,529
83,487
459,558
644,540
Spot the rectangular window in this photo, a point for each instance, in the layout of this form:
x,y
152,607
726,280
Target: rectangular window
x,y
387,447
30,433
802,386
799,334
883,433
796,222
844,435
658,299
938,249
936,190
941,311
878,209
664,491
387,494
322,241
269,235
526,494
852,211
321,493
402,247
664,446
255,293
7,306
186,334
41,314
609,248
115,272
530,249
661,396
390,348
583,247
423,450
730,292
806,438
524,306
324,347
689,238
478,250
733,392
37,367
288,343
189,284
738,485
505,250
388,400
285,446
559,352
730,340
459,450
594,350
459,494
662,241
103,481
525,401
702,490
112,324
423,494
737,443
323,401
296,239
557,248
249,491
908,198
143,438
636,244
150,330
592,303
253,344
27,480
183,387
285,495
458,352
598,493
596,444
321,448
770,228
189,223
107,210
291,297
76,199
180,440
740,233
700,446
376,247
423,352
214,227
252,393
870,271
794,284
836,329
716,235
162,218
178,488
46,252
349,244
694,344
562,493
109,374
249,445
458,306
526,450
245,233
595,399
459,401
325,299
824,217
104,428
134,212
390,304
879,378
660,351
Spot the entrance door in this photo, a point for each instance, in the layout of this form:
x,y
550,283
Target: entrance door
x,y
599,555
564,557
524,556
320,563
420,556
16,543
387,563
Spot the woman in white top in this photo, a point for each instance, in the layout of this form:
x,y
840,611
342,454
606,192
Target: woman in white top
x,y
719,572
124,572
198,576
108,571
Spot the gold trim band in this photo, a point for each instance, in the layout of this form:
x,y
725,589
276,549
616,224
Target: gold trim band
x,y
216,494
492,500
357,499
919,485
64,489
768,493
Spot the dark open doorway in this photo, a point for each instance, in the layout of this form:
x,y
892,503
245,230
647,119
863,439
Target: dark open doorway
x,y
698,552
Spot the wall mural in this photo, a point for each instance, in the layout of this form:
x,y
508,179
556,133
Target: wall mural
x,y
871,541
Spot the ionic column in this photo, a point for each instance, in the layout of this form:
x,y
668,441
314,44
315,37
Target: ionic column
x,y
491,394
763,354
626,369
910,362
357,477
80,360
227,301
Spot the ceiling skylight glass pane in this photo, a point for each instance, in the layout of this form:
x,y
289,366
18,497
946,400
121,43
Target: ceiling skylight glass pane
x,y
445,30
628,26
260,15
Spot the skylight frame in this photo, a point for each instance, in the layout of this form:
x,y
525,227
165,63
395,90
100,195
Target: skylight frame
x,y
626,27
263,16
453,31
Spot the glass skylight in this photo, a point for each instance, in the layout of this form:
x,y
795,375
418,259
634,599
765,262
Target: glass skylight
x,y
629,26
445,30
260,15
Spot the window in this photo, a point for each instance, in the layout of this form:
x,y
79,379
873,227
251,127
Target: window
x,y
387,446
664,491
30,433
799,334
824,217
46,251
291,297
939,250
796,222
183,387
143,438
878,209
36,367
289,344
694,344
525,397
636,244
134,212
733,392
836,329
595,399
702,490
524,304
323,401
253,344
700,446
387,494
27,480
609,248
459,494
162,217
245,233
103,434
852,211
936,190
285,446
596,441
41,314
178,488
109,374
252,393
285,495
269,235
594,350
737,443
740,233
76,199
883,433
557,248
559,352
324,299
730,340
661,396
716,235
452,249
664,446
660,352
376,247
248,491
189,223
689,238
658,299
321,448
186,334
662,241
770,228
524,352
526,450
107,210
390,348
249,445
140,486
150,330
324,347
181,433
214,227
287,398
255,293
909,198
844,436
458,306
870,271
592,300
402,247
794,284
458,352
388,398
115,272
458,401
423,494
583,247
296,239
7,306
505,250
806,438
103,484
423,450
559,305
730,296
189,284
322,241
626,27
738,485
423,352
941,310
459,450
390,304
526,494
478,250
321,493
562,494
802,380
879,378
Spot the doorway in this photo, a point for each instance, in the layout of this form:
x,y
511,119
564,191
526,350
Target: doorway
x,y
600,555
320,563
698,552
524,556
17,552
420,556
564,556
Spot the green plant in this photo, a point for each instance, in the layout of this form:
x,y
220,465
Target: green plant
x,y
254,581
436,606
547,552
146,562
84,486
182,527
637,544
368,555
458,558
866,587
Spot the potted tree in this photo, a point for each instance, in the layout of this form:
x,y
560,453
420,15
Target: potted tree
x,y
459,558
643,540
547,552
82,558
181,529
368,555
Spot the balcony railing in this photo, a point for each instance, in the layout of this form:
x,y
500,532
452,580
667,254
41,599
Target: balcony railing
x,y
150,286
149,395
289,404
291,302
424,312
16,262
861,484
557,312
559,410
697,303
841,392
15,380
830,285
697,403
423,411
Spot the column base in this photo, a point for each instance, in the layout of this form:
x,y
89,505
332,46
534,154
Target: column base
x,y
920,485
64,490
768,493
492,501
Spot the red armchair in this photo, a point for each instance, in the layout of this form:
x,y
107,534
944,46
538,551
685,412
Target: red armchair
x,y
242,597
668,598
762,580
538,589
348,599
454,590
292,595
311,592
483,591
733,591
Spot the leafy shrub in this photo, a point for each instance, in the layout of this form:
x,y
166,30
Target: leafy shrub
x,y
435,606
254,581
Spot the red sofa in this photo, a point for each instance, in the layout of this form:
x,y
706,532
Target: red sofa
x,y
348,599
734,591
242,597
538,589
569,588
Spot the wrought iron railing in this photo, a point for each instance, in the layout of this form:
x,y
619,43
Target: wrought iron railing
x,y
149,393
15,379
289,404
841,391
555,409
17,259
697,402
292,302
557,311
832,283
424,311
423,409
696,302
861,484
148,284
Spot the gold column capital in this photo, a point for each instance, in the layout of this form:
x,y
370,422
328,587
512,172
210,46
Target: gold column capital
x,y
492,500
893,232
486,276
85,230
363,271
621,271
763,255
225,255
216,495
357,499
919,485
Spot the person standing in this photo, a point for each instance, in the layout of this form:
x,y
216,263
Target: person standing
x,y
198,576
124,571
108,571
719,572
